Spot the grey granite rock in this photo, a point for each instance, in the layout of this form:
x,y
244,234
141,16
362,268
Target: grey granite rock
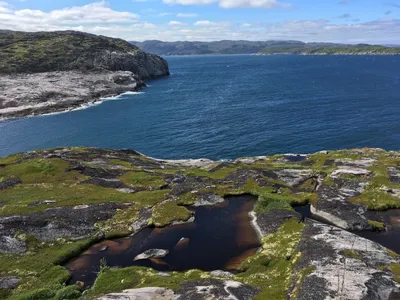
x,y
9,283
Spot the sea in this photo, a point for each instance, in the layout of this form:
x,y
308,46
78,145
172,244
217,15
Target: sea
x,y
229,106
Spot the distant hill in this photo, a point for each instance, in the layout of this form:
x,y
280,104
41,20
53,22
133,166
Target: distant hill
x,y
33,52
259,47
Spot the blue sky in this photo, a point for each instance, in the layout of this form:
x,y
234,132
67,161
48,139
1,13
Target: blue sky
x,y
351,21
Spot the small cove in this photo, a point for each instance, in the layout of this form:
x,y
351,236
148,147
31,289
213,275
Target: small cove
x,y
220,238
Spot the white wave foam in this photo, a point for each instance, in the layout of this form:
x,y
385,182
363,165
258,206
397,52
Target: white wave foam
x,y
91,104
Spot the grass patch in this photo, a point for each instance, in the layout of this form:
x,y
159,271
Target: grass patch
x,y
117,279
395,269
143,179
41,171
352,254
378,226
187,199
119,162
169,212
17,199
39,268
217,175
11,159
272,268
376,199
284,200
120,223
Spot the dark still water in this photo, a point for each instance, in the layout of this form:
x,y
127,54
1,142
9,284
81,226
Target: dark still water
x,y
223,107
219,238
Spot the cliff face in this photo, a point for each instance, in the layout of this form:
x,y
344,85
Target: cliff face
x,y
25,52
55,71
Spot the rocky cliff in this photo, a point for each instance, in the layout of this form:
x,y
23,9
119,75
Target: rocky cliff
x,y
39,71
60,203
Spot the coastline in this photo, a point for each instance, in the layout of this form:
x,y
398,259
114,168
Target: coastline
x,y
56,110
25,95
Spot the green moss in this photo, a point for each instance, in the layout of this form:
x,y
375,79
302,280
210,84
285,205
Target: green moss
x,y
269,202
395,269
378,226
283,200
10,159
217,175
352,254
272,268
169,212
4,293
36,294
41,171
117,279
69,292
377,199
119,162
121,222
17,199
301,275
40,268
187,199
143,179
309,185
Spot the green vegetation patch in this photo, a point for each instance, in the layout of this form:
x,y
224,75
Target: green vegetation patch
x,y
188,198
272,268
352,254
120,223
217,175
17,199
378,226
168,212
283,200
117,279
41,171
11,159
143,179
377,199
119,162
395,269
39,267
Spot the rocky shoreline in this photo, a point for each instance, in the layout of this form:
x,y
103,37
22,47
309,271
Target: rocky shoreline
x,y
24,95
43,73
57,203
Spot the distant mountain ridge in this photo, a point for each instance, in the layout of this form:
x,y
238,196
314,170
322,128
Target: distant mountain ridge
x,y
259,47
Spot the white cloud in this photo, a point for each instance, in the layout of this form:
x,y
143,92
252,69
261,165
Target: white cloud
x,y
94,13
204,23
100,18
186,15
189,2
233,3
175,23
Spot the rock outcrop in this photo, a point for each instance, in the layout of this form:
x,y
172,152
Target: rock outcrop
x,y
55,71
59,203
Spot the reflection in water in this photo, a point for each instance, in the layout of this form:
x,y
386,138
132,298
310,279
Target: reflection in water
x,y
220,238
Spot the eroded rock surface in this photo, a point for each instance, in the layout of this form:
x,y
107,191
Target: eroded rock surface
x,y
64,70
55,203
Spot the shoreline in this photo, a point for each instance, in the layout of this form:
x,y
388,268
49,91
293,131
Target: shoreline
x,y
38,94
74,107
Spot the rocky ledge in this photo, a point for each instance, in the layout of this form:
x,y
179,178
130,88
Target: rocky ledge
x,y
56,71
311,214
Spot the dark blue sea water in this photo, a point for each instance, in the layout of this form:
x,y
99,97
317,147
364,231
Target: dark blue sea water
x,y
223,107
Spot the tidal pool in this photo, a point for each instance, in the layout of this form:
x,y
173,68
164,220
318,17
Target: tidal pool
x,y
220,238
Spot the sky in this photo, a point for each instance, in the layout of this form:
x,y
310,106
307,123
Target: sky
x,y
344,21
